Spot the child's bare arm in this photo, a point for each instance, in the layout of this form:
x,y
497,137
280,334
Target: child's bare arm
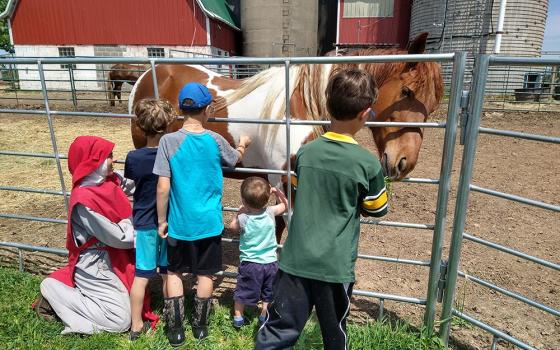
x,y
244,142
281,207
234,225
162,201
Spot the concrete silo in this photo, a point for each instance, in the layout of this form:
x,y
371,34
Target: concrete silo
x,y
279,27
471,25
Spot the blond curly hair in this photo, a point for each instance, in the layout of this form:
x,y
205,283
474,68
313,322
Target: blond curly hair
x,y
153,116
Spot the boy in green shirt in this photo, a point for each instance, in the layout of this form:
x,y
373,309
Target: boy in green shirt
x,y
336,181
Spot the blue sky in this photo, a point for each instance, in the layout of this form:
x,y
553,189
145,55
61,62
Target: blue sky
x,y
552,30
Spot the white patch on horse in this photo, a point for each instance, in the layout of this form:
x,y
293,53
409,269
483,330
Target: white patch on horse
x,y
268,148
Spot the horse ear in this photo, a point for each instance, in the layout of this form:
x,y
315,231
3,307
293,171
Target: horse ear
x,y
418,45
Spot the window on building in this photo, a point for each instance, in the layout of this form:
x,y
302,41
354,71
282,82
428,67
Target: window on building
x,y
368,8
67,52
156,52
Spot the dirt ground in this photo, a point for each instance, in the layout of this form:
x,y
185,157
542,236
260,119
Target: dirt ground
x,y
520,167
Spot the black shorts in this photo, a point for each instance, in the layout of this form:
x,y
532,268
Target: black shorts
x,y
201,257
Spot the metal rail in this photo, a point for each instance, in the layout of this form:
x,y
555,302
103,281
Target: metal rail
x,y
492,330
519,135
446,57
515,198
511,294
512,251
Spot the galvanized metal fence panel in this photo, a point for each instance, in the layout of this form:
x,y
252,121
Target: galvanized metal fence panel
x,y
450,128
473,129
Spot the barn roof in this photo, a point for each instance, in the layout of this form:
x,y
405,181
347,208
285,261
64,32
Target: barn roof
x,y
218,10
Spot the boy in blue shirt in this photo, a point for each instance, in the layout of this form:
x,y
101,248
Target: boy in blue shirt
x,y
189,196
153,117
257,245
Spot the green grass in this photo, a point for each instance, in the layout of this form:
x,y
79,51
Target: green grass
x,y
21,329
388,185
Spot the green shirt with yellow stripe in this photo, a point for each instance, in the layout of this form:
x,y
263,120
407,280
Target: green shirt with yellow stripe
x,y
337,180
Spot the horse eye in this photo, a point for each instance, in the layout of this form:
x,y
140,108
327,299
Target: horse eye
x,y
406,92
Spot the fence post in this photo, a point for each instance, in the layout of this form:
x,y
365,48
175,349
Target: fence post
x,y
459,63
288,152
72,86
51,130
154,79
15,77
20,260
475,110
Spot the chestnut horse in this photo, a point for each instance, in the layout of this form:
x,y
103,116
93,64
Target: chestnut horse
x,y
408,92
122,73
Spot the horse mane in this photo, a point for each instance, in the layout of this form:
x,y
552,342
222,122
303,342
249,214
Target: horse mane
x,y
310,81
424,78
274,104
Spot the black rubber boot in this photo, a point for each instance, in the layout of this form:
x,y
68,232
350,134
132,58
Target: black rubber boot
x,y
174,315
201,316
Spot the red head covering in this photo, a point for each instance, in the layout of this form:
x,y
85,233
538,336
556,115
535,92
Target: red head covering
x,y
85,155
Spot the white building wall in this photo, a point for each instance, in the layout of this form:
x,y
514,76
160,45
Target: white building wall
x,y
86,76
56,77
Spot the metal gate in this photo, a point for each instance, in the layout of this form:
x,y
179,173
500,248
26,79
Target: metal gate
x,y
472,131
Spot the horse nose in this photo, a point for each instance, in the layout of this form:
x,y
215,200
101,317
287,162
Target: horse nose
x,y
401,167
394,170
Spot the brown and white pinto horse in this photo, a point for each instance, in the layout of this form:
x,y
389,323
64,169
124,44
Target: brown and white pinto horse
x,y
122,73
408,92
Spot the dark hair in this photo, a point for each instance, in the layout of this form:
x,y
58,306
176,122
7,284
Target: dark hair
x,y
255,191
349,92
153,115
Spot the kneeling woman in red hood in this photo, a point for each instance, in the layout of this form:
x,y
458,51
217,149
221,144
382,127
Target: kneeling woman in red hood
x,y
91,293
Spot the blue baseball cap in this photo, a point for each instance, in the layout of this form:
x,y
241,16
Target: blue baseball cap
x,y
198,93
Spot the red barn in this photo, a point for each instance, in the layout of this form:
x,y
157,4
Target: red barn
x,y
378,23
134,28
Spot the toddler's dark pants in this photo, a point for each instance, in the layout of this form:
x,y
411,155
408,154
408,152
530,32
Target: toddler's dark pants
x,y
293,300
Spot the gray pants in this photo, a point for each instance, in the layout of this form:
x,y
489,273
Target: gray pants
x,y
99,302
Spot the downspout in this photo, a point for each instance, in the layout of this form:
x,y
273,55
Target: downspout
x,y
8,10
7,14
500,29
10,33
337,27
208,36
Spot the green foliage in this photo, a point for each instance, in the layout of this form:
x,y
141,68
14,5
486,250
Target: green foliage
x,y
21,329
4,33
388,185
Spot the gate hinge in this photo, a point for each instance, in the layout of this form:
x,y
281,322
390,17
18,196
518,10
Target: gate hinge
x,y
442,280
464,115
